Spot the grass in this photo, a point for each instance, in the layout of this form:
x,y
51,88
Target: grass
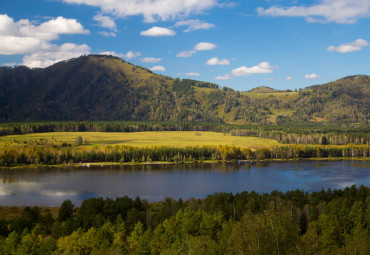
x,y
283,96
140,139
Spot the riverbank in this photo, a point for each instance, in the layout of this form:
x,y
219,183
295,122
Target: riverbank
x,y
107,164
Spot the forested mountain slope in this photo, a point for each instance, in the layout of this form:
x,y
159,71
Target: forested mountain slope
x,y
99,87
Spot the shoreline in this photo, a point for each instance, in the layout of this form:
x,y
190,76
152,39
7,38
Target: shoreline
x,y
106,164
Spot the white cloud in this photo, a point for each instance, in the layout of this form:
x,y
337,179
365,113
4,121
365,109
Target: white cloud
x,y
337,11
54,53
225,77
194,24
263,67
289,78
113,53
158,31
312,76
185,54
128,55
150,60
106,21
199,47
192,74
216,61
107,34
204,46
349,47
19,45
132,54
158,68
24,37
152,10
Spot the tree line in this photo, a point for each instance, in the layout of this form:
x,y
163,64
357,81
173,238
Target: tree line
x,y
31,154
299,133
295,222
321,138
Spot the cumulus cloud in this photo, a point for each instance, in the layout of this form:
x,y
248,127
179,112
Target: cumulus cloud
x,y
185,54
194,24
128,55
24,37
152,10
216,61
263,67
199,47
132,54
150,60
106,22
19,45
158,68
289,78
192,74
204,46
107,34
54,53
158,31
225,77
312,76
336,11
349,47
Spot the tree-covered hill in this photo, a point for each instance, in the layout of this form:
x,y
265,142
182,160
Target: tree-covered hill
x,y
99,87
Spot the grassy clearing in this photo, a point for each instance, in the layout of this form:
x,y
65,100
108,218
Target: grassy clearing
x,y
283,96
140,139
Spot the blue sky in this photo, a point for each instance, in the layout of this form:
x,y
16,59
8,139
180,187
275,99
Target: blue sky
x,y
239,44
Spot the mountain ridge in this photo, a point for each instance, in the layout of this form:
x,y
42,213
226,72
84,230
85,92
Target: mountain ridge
x,y
98,87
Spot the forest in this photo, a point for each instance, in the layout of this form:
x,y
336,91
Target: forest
x,y
33,154
118,90
295,222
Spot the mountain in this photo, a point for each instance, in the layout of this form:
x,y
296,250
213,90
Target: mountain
x,y
262,89
100,87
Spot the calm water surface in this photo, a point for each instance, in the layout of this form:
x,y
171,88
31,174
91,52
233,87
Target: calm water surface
x,y
52,186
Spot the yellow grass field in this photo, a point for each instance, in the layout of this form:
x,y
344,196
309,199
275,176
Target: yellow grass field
x,y
140,139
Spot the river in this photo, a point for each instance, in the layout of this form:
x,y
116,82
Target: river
x,y
51,186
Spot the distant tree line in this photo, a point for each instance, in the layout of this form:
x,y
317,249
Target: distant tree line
x,y
335,138
31,154
298,133
107,126
295,222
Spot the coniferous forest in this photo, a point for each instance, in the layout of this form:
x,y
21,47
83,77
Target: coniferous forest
x,y
295,222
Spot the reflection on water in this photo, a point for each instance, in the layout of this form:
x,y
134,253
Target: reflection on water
x,y
51,186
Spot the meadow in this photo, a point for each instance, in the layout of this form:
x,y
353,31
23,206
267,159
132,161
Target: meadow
x,y
138,139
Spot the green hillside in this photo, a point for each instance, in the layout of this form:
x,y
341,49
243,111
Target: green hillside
x,y
99,87
262,89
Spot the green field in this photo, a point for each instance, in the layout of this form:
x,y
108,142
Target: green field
x,y
140,139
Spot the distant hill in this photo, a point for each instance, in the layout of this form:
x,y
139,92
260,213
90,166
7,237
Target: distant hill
x,y
262,89
99,87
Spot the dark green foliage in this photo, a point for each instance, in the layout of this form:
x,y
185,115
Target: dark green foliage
x,y
66,211
295,222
